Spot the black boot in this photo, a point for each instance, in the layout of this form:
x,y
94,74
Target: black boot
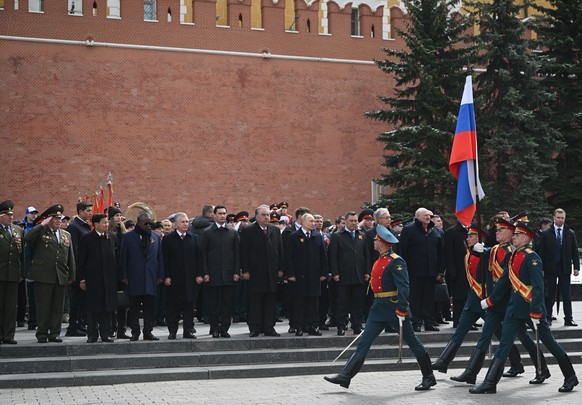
x,y
570,379
542,374
442,363
476,360
351,368
428,379
516,368
489,385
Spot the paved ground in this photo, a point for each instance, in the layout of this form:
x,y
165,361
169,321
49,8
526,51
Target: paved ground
x,y
366,388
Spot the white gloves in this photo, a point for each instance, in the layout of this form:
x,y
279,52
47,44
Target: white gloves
x,y
478,247
536,321
400,319
484,304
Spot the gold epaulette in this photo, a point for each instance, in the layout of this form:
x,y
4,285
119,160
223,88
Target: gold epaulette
x,y
528,250
394,255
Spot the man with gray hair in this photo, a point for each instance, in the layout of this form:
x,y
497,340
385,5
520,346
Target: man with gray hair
x,y
421,246
261,259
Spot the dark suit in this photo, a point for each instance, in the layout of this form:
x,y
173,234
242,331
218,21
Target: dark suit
x,y
455,248
558,260
306,260
77,228
182,266
423,252
261,256
142,271
220,262
11,272
349,258
52,268
97,266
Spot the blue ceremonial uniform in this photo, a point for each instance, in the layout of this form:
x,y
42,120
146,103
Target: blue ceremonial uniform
x,y
389,274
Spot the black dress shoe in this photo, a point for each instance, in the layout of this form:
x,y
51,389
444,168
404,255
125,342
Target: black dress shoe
x,y
107,340
341,332
215,334
193,330
150,336
390,329
314,332
75,332
10,342
82,329
431,328
570,323
31,327
55,340
134,338
253,334
442,321
299,333
272,333
42,340
473,327
122,335
292,330
92,340
224,334
172,336
188,335
417,328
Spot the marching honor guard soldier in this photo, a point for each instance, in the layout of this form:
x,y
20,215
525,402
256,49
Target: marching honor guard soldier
x,y
11,271
52,269
526,302
389,282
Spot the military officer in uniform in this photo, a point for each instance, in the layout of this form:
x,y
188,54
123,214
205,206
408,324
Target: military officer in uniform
x,y
389,281
11,271
525,271
52,269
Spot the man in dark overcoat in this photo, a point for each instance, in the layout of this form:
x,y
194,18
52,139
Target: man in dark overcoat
x,y
78,227
455,249
219,245
97,274
142,269
306,268
261,257
349,260
183,274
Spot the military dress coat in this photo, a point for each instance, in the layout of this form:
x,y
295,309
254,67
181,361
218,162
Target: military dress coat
x,y
97,265
142,271
11,255
52,262
306,260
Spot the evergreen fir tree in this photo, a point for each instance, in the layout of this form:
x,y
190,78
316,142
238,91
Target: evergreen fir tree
x,y
516,138
429,80
559,29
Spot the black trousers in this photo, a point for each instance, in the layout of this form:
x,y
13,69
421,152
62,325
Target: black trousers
x,y
350,299
422,300
306,312
135,305
8,302
173,315
77,303
21,313
553,283
99,324
261,312
323,303
220,307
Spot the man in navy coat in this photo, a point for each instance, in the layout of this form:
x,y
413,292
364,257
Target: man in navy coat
x,y
306,260
142,269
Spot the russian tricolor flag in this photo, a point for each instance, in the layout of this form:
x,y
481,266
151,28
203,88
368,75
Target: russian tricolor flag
x,y
464,163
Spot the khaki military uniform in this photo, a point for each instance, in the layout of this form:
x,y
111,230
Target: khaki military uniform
x,y
11,272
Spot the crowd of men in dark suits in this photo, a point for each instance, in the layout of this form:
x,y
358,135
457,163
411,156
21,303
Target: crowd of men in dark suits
x,y
232,267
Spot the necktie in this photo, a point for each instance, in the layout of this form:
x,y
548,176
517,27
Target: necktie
x,y
353,233
265,231
559,238
56,236
308,235
182,236
8,233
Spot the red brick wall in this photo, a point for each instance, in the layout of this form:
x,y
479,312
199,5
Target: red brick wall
x,y
179,130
